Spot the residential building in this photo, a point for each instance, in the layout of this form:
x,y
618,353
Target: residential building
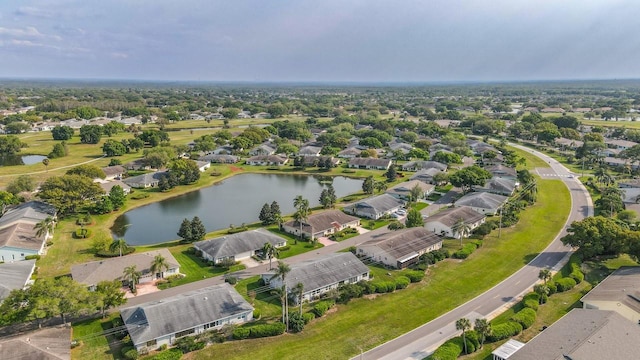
x,y
370,163
447,222
156,323
267,160
375,207
322,224
203,165
500,186
262,149
107,186
144,181
138,164
52,343
220,159
502,172
403,190
114,172
401,248
585,335
426,175
619,292
504,351
109,269
239,246
619,144
321,274
310,151
349,153
568,144
15,275
18,236
424,165
483,202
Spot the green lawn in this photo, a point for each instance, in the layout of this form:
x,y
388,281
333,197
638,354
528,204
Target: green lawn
x,y
374,224
419,206
195,268
294,249
369,322
94,345
268,304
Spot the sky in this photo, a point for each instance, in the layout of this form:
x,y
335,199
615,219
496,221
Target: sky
x,y
320,41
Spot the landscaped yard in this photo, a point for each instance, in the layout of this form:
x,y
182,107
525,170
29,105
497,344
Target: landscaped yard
x,y
94,345
368,322
294,249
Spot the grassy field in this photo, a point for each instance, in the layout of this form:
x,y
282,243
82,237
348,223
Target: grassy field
x,y
368,322
92,345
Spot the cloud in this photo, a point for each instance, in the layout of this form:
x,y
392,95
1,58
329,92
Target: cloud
x,y
33,12
28,32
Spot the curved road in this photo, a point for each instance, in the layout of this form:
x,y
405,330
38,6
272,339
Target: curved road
x,y
422,341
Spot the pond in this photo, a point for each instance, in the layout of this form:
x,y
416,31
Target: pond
x,y
234,201
12,160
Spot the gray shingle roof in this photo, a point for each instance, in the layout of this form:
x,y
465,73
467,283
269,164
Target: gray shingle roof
x,y
218,158
405,242
32,212
585,335
380,203
14,276
622,286
369,162
154,319
424,164
450,217
482,200
231,245
21,235
91,273
499,185
501,170
114,170
52,343
404,188
324,221
325,270
148,178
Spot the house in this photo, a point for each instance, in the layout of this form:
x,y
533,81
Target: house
x,y
31,212
403,190
585,335
313,161
619,292
483,202
138,164
349,153
107,186
619,144
375,207
370,163
310,151
15,275
203,165
571,144
239,246
51,343
321,274
426,175
401,147
322,224
500,186
156,323
447,222
109,269
267,160
262,149
114,172
144,181
423,165
504,351
220,159
503,172
18,237
399,249
552,110
262,115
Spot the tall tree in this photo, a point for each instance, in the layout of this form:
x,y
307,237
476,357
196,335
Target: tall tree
x,y
109,295
117,197
414,218
266,216
483,328
132,275
468,177
198,230
45,227
596,236
367,185
281,272
270,251
276,213
159,265
298,289
416,193
119,245
544,275
391,173
185,230
67,193
302,212
461,229
463,324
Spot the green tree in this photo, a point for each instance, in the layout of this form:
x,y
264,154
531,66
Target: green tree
x,y
302,211
119,245
596,236
447,157
266,217
230,113
59,150
276,213
298,289
23,183
483,328
543,291
468,177
270,251
132,275
113,128
90,134
117,197
88,170
185,230
198,230
461,229
281,272
45,162
391,173
67,193
45,227
544,275
414,218
463,324
367,185
62,132
159,265
10,145
328,197
185,170
109,295
113,148
415,193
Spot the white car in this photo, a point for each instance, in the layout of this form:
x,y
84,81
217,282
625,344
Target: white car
x,y
401,212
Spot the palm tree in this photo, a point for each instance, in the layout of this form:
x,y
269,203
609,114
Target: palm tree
x,y
302,211
44,227
463,324
159,265
270,251
461,229
45,162
483,328
299,290
119,245
544,275
132,274
281,272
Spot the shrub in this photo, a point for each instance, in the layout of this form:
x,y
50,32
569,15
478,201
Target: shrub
x,y
265,330
321,307
139,195
576,273
284,248
385,286
241,333
82,233
188,344
162,347
525,317
565,284
348,292
232,280
296,322
367,287
414,276
466,250
256,314
553,288
129,353
474,339
504,330
32,257
49,243
402,282
107,253
307,317
450,350
531,304
173,354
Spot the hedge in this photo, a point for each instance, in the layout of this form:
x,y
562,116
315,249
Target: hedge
x,y
172,354
266,330
565,284
241,333
466,250
129,353
384,286
576,274
531,304
307,317
525,317
450,350
321,307
107,253
414,276
504,330
402,282
553,288
32,257
82,233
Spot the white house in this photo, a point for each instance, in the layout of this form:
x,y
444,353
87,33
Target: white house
x,y
446,222
18,237
322,224
156,323
321,274
267,160
399,249
482,202
239,246
375,207
370,163
15,275
619,292
403,190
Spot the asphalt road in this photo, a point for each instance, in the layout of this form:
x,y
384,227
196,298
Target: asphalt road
x,y
422,341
